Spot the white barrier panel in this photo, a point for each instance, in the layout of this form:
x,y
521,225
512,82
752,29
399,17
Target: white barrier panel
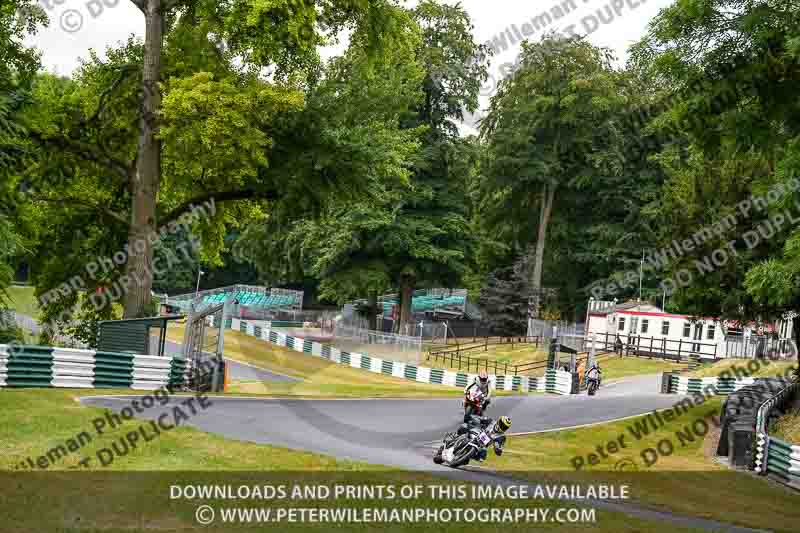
x,y
423,374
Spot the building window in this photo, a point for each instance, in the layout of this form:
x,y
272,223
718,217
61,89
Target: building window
x,y
645,324
687,329
621,324
710,331
665,327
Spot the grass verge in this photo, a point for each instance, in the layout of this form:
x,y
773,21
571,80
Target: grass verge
x,y
744,367
788,427
319,377
615,367
23,300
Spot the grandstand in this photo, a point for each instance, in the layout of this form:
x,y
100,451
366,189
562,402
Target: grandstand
x,y
439,301
258,299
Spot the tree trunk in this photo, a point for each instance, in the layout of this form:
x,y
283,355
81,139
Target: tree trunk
x,y
372,305
548,195
145,183
407,283
796,334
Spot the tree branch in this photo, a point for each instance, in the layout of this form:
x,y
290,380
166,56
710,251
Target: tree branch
x,y
84,152
139,4
166,5
76,201
223,196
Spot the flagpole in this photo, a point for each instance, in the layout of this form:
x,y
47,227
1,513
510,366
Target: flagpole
x,y
641,273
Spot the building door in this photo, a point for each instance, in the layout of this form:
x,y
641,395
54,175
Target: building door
x,y
698,334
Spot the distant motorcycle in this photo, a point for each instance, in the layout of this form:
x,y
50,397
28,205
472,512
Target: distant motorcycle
x,y
594,384
473,404
457,450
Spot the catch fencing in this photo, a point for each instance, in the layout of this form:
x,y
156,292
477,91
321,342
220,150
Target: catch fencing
x,y
551,328
352,338
759,346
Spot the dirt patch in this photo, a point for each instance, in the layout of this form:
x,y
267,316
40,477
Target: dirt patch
x,y
711,442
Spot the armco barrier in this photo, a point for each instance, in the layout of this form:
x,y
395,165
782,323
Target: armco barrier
x,y
43,366
555,381
773,456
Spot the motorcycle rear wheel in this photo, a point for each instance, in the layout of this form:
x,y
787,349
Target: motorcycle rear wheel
x,y
462,452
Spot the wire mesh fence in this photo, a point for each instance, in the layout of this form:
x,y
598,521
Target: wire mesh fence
x,y
352,338
759,346
548,328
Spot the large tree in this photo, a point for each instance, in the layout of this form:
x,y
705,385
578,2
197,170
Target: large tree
x,y
113,158
539,148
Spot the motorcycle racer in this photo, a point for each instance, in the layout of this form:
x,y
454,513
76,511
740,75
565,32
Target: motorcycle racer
x,y
481,383
496,433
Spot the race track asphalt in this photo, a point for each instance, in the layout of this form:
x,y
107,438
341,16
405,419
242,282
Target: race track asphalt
x,y
404,432
396,432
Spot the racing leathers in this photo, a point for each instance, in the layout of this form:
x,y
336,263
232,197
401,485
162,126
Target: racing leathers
x,y
486,423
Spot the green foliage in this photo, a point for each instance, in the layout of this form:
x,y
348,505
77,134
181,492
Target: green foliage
x,y
728,73
413,223
9,246
503,299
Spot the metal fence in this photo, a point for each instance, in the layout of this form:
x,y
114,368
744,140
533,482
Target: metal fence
x,y
759,346
34,327
774,456
547,328
352,338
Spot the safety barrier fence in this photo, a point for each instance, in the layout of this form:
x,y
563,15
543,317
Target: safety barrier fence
x,y
774,456
43,366
554,381
715,385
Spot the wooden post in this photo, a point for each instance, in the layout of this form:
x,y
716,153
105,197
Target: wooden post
x,y
680,342
651,346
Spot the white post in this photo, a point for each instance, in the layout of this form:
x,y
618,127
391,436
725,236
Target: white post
x,y
641,274
197,289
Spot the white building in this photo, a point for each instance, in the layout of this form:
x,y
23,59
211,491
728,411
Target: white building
x,y
644,328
